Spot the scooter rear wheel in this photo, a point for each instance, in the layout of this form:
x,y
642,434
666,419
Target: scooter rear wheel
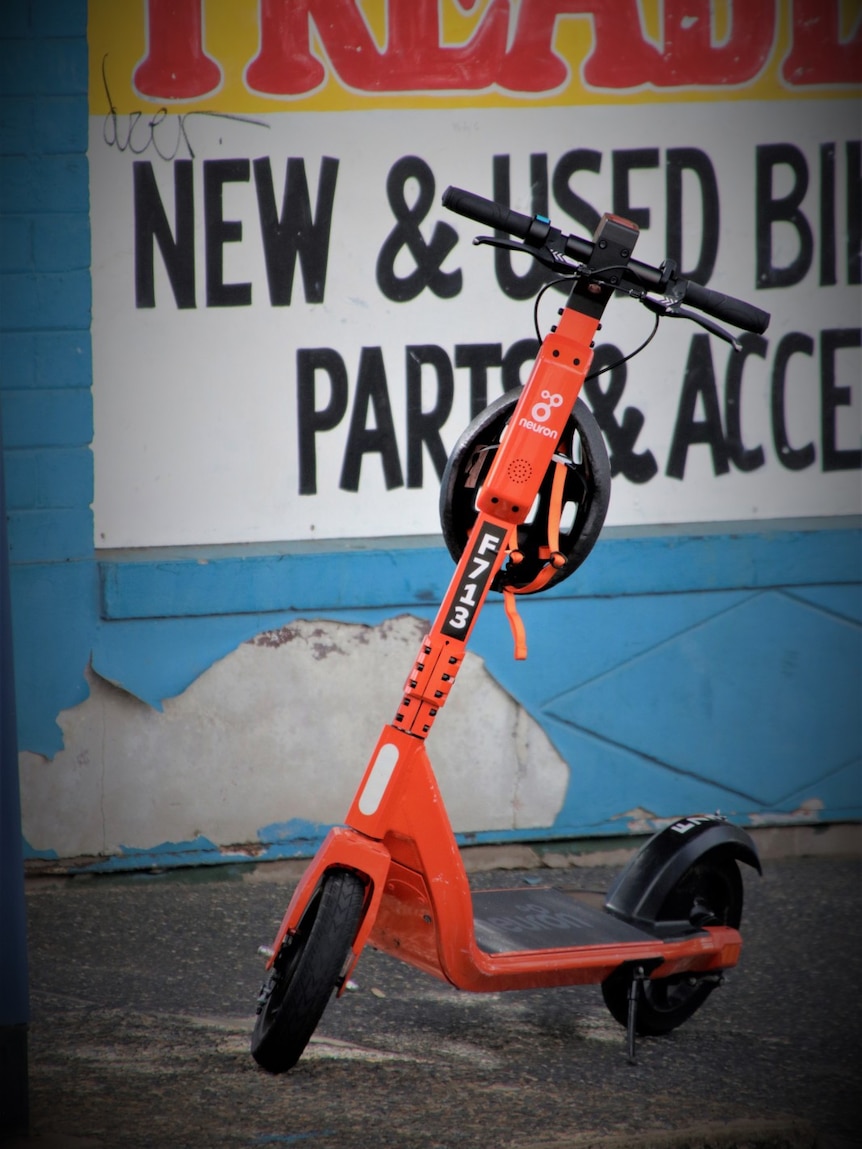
x,y
709,893
306,971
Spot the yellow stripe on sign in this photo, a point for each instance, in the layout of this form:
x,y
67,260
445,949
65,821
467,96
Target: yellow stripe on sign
x,y
343,55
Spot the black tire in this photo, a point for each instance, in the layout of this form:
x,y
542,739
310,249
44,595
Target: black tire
x,y
301,980
587,488
709,893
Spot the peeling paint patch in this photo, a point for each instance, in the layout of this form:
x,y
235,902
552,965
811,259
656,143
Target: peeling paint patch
x,y
266,748
290,849
116,684
31,854
274,638
322,650
317,641
296,832
807,812
641,821
200,851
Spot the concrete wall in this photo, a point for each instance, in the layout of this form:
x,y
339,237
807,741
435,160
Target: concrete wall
x,y
203,703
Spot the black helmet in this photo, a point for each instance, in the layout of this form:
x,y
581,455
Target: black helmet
x,y
567,515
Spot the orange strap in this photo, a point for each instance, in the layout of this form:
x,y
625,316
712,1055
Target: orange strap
x,y
552,552
519,634
555,511
555,559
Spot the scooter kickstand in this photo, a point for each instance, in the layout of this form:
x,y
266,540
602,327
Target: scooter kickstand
x,y
638,978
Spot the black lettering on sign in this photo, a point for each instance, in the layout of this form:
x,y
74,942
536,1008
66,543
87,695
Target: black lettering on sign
x,y
698,383
579,159
151,227
680,160
310,417
423,426
427,257
743,458
784,210
834,396
477,358
854,211
827,215
471,588
295,233
793,458
622,163
830,225
371,392
520,286
219,231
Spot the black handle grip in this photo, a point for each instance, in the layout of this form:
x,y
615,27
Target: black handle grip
x,y
736,311
485,211
743,315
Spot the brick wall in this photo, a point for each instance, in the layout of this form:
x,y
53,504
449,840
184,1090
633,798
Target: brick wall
x,y
45,358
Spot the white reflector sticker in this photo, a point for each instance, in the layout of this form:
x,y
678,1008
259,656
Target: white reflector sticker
x,y
378,779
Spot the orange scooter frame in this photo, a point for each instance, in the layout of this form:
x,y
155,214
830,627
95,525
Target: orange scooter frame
x,y
419,907
415,901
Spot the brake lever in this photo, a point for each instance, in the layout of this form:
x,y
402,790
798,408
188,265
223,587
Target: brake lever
x,y
672,309
546,255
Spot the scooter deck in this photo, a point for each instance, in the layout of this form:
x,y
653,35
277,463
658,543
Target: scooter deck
x,y
517,921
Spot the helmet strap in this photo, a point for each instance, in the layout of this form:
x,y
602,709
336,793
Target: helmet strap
x,y
555,559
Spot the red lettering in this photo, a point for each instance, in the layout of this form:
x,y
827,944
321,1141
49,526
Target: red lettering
x,y
533,65
176,66
818,55
414,58
690,56
623,58
414,42
285,66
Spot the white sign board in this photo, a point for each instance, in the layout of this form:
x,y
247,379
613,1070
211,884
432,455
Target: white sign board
x,y
290,332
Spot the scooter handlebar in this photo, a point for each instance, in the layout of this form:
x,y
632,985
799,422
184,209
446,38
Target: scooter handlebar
x,y
485,211
736,311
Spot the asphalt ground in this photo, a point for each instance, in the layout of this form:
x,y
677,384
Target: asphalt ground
x,y
143,989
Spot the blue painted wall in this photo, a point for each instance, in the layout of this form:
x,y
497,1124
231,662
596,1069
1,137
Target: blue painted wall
x,y
45,360
680,669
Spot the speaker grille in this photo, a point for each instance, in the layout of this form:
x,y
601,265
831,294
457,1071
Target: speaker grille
x,y
519,470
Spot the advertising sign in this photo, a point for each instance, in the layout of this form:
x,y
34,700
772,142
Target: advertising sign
x,y
290,331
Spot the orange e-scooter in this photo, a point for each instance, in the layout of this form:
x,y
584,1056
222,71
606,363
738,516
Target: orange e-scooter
x,y
523,499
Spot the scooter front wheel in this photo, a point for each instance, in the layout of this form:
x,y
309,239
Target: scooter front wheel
x,y
708,893
306,971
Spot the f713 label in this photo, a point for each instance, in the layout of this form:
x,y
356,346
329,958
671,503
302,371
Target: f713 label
x,y
470,590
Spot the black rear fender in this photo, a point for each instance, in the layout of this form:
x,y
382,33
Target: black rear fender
x,y
641,889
